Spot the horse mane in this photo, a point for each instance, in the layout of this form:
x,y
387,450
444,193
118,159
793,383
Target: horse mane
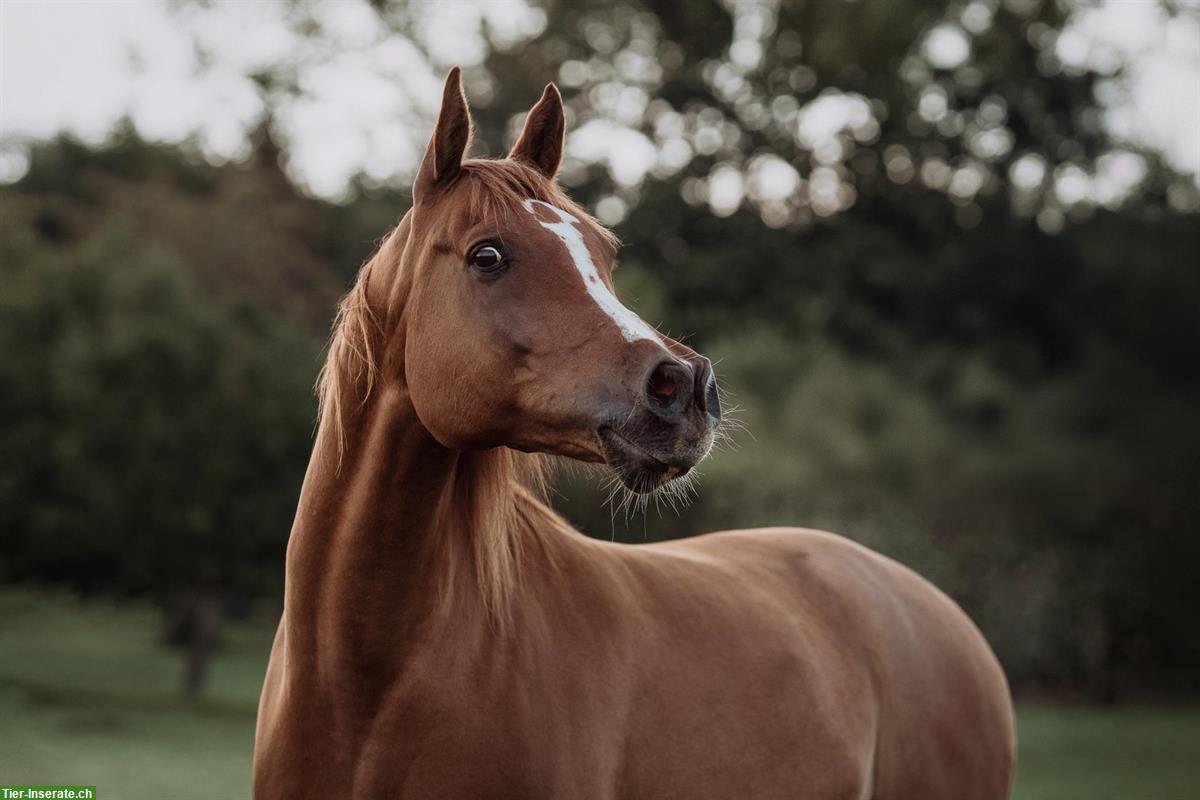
x,y
496,497
351,366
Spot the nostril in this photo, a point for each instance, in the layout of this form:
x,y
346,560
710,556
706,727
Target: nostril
x,y
712,400
707,398
669,389
661,385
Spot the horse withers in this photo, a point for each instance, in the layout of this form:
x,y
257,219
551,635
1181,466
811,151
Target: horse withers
x,y
446,635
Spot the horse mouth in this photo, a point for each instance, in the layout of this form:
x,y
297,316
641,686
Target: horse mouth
x,y
636,468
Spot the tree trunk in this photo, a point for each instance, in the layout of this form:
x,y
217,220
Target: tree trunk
x,y
1107,678
205,616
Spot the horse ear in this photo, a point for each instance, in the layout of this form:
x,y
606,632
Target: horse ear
x,y
444,155
541,142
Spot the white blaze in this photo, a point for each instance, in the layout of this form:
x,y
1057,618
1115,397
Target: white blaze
x,y
570,233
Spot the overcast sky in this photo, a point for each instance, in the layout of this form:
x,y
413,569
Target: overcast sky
x,y
81,66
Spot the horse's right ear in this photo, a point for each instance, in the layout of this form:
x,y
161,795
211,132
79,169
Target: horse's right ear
x,y
444,155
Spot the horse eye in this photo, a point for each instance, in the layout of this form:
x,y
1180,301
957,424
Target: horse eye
x,y
487,258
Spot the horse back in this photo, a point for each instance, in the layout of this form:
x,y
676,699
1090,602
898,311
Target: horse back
x,y
938,705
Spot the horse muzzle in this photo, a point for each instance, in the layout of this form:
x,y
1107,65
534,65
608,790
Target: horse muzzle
x,y
670,429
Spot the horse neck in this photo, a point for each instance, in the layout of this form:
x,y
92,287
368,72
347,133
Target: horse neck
x,y
395,534
367,561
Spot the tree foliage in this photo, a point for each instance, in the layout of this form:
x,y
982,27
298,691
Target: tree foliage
x,y
933,351
156,431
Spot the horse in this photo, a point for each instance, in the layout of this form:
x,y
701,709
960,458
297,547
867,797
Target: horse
x,y
445,634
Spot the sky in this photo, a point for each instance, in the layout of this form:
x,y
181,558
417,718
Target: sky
x,y
369,98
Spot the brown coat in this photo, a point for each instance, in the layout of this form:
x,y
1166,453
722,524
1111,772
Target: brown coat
x,y
446,635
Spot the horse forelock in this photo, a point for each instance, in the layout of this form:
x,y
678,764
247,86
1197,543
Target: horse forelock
x,y
493,189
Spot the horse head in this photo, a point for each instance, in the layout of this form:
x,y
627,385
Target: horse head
x,y
501,313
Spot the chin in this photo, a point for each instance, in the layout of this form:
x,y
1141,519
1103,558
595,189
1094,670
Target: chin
x,y
641,467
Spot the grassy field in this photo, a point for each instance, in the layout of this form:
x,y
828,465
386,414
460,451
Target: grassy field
x,y
87,696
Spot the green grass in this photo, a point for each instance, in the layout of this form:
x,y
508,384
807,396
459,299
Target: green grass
x,y
88,696
1123,753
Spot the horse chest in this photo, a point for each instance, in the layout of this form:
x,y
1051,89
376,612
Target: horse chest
x,y
476,755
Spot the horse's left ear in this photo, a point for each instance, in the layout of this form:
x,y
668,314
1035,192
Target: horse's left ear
x,y
541,142
444,155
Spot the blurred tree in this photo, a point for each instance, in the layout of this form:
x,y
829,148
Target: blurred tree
x,y
155,433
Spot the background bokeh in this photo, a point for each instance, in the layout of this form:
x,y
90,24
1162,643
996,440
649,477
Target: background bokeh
x,y
944,255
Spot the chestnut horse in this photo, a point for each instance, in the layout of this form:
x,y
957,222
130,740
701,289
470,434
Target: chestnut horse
x,y
446,635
